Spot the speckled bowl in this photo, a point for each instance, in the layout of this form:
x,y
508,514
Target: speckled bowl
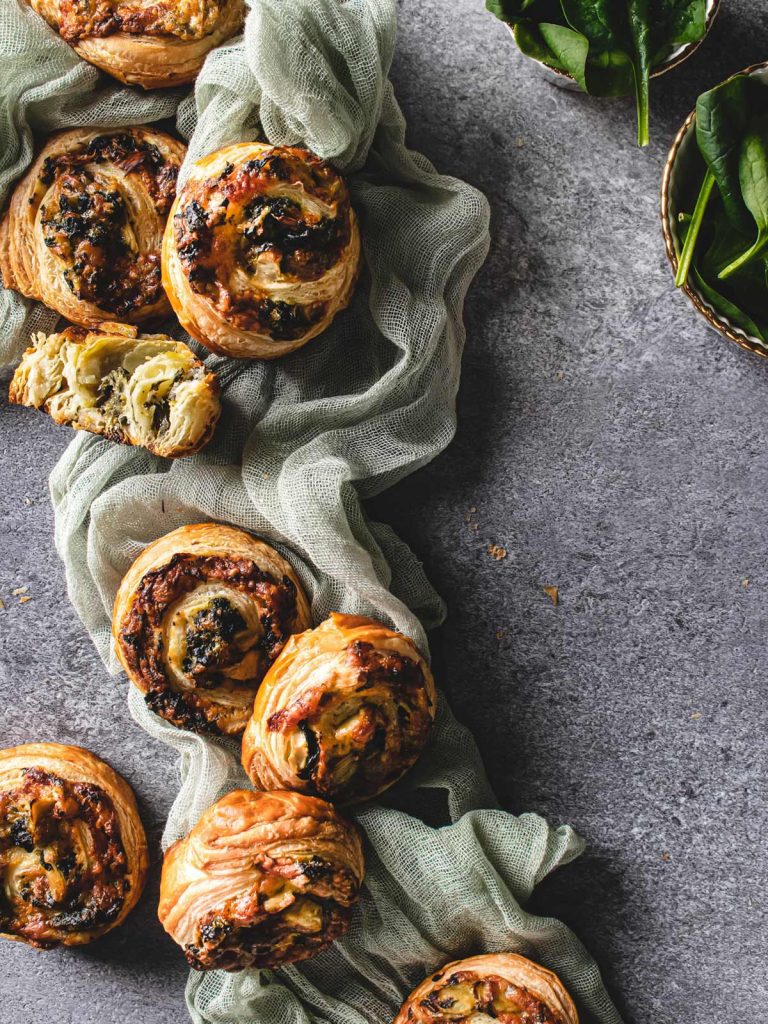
x,y
564,81
683,174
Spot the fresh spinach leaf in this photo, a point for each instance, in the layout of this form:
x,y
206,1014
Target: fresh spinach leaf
x,y
723,116
570,49
753,178
612,46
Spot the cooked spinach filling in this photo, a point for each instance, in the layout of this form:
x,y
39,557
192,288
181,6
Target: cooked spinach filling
x,y
210,640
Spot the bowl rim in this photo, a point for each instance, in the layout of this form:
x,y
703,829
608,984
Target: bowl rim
x,y
719,323
677,57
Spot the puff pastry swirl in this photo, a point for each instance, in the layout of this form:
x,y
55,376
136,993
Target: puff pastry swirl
x,y
152,43
144,390
261,251
343,712
84,227
502,987
73,854
262,880
198,619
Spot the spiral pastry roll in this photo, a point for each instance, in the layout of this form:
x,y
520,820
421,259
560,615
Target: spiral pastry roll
x,y
73,855
152,43
144,390
199,618
342,713
262,880
84,228
501,987
261,250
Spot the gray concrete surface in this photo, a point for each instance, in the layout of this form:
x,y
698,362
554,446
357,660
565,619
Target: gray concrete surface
x,y
616,448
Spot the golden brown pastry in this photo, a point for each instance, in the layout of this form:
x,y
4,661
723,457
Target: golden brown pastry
x,y
199,618
343,712
500,987
84,227
261,250
73,854
136,389
152,43
262,880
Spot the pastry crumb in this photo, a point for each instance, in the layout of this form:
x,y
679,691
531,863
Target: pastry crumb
x,y
745,582
2,605
553,594
519,141
497,552
19,590
23,600
696,716
500,634
665,856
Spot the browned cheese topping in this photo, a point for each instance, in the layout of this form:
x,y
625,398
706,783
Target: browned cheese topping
x,y
243,220
183,19
62,862
86,222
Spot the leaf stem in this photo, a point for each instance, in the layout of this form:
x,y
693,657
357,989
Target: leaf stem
x,y
642,98
692,236
746,257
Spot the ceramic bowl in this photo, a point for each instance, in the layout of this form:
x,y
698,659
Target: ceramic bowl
x,y
564,81
683,174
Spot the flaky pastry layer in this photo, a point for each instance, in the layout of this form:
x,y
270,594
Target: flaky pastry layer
x,y
146,390
198,619
262,880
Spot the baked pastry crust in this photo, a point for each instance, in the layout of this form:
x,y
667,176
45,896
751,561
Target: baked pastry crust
x,y
503,987
262,880
261,250
84,227
146,390
343,712
73,854
152,43
198,619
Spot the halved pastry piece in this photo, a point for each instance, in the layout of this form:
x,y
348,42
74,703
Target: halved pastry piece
x,y
262,880
343,712
73,854
501,987
146,390
152,43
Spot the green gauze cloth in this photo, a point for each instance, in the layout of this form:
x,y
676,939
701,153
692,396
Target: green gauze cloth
x,y
300,444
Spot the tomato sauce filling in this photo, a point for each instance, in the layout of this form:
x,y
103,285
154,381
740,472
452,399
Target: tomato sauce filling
x,y
357,742
62,863
231,227
211,646
297,909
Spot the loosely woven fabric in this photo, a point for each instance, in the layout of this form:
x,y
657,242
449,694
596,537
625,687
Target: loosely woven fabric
x,y
300,444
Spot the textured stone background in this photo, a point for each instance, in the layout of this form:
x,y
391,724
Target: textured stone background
x,y
616,448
